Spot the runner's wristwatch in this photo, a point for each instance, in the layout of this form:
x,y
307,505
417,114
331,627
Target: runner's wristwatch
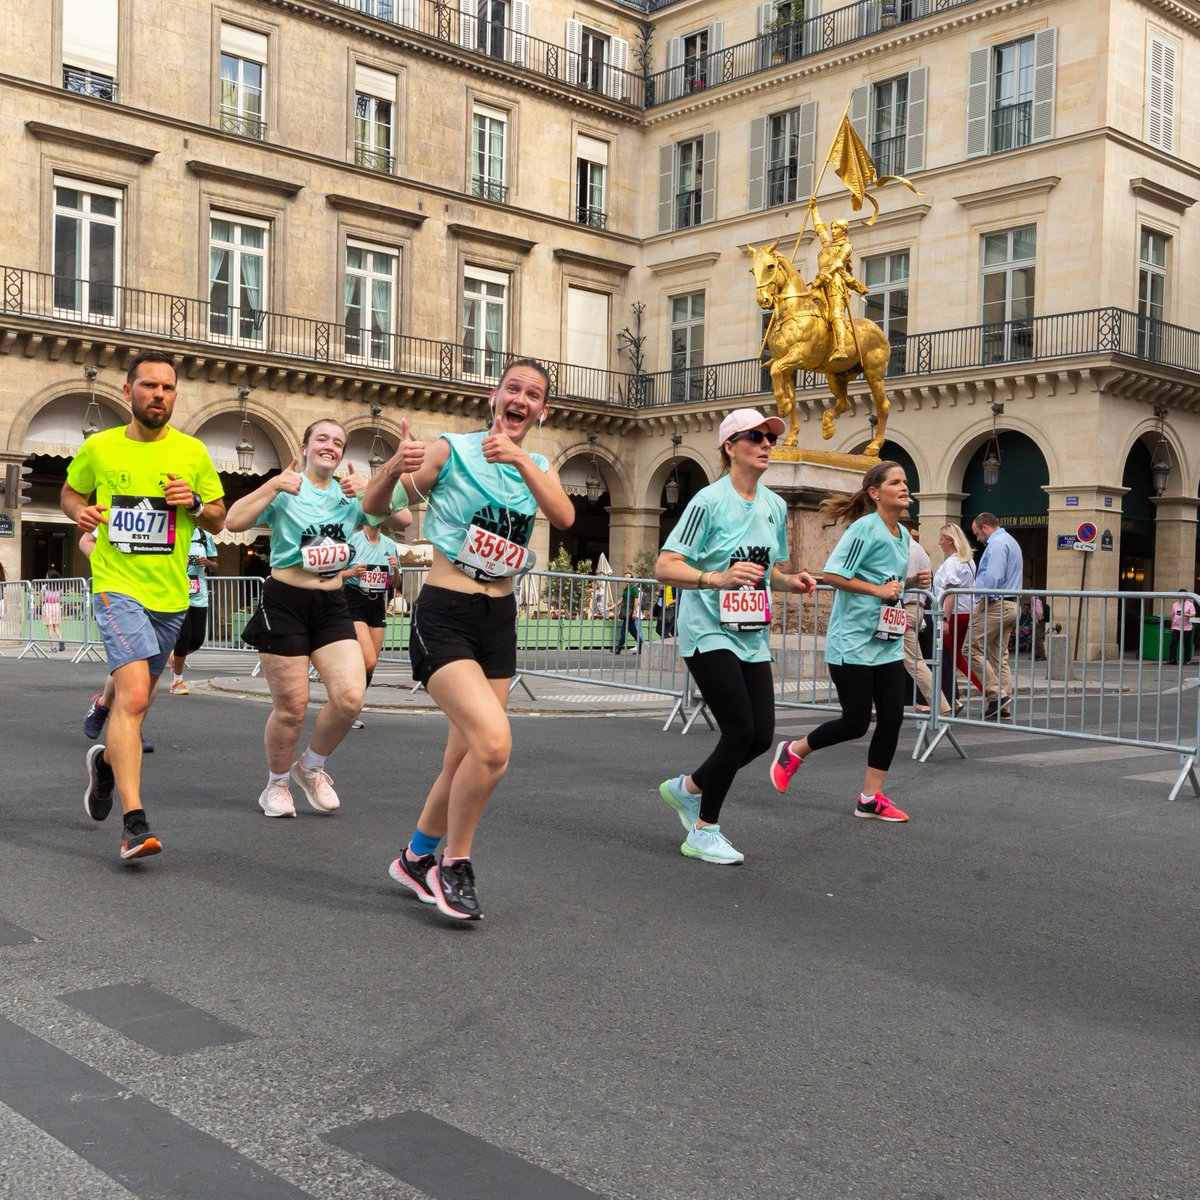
x,y
197,505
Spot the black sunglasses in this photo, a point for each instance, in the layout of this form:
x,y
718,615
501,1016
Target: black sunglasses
x,y
756,436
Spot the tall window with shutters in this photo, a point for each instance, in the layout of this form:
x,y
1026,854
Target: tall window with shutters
x,y
889,117
89,48
782,148
1161,56
596,61
687,183
1010,94
691,58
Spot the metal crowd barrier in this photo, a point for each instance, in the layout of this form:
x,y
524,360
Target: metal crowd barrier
x,y
67,604
232,600
1071,675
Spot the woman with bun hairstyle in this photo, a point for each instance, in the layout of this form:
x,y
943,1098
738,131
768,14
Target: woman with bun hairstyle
x,y
864,644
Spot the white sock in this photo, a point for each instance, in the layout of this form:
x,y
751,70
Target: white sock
x,y
176,678
277,777
863,798
684,787
310,760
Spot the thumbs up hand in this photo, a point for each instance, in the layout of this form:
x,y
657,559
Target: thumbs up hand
x,y
289,479
353,484
412,452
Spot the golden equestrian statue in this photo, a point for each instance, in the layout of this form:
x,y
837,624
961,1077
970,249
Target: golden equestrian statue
x,y
812,328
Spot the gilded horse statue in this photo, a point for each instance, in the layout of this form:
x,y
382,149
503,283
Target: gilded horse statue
x,y
799,337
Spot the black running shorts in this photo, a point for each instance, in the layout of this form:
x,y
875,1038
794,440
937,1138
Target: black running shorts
x,y
293,622
448,626
368,607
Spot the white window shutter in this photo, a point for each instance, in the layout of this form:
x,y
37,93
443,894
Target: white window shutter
x,y
520,33
467,34
979,63
674,68
860,113
716,36
806,150
1161,57
765,14
756,188
1045,46
617,80
914,142
666,188
574,51
708,185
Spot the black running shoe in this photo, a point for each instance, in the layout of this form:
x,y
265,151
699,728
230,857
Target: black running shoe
x,y
96,716
97,800
147,745
453,889
138,841
412,875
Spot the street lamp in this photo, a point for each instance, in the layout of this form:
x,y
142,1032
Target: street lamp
x,y
91,418
671,488
244,447
594,483
991,456
1160,468
376,459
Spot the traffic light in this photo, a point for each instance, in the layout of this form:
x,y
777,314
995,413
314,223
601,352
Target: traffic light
x,y
16,485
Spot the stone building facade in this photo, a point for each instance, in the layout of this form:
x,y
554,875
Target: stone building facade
x,y
359,208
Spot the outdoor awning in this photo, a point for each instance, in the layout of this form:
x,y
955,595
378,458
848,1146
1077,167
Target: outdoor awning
x,y
574,473
57,428
228,538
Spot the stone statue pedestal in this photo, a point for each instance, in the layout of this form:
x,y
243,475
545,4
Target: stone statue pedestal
x,y
803,478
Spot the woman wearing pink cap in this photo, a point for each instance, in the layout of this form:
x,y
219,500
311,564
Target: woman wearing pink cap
x,y
728,549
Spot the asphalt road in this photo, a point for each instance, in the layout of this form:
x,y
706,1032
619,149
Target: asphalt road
x,y
997,1000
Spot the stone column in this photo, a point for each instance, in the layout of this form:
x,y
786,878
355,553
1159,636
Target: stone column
x,y
629,529
938,509
1099,504
1175,543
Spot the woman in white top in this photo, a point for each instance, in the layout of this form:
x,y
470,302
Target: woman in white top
x,y
957,571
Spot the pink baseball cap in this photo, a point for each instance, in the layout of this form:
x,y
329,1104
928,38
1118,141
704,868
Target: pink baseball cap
x,y
742,419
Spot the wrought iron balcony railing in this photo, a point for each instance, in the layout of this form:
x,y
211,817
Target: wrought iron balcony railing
x,y
687,209
597,218
189,324
781,184
233,120
489,189
89,83
375,160
1012,125
888,154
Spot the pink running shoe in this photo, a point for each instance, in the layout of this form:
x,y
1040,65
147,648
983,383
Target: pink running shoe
x,y
783,766
316,786
879,808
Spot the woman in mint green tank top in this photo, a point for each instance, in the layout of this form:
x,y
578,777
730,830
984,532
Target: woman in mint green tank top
x,y
482,492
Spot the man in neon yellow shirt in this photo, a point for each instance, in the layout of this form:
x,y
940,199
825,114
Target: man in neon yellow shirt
x,y
140,489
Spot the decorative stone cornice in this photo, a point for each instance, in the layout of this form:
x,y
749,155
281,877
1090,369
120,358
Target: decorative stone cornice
x,y
1157,193
674,265
493,236
79,140
1009,191
384,212
248,179
593,260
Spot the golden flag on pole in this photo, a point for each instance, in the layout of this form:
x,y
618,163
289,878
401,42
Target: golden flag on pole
x,y
853,166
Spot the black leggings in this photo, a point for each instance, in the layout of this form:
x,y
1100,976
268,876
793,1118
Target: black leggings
x,y
857,688
192,631
741,698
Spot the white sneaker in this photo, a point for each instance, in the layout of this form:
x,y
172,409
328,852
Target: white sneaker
x,y
276,800
316,786
711,845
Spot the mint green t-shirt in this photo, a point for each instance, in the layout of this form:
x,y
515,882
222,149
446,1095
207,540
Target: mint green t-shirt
x,y
867,550
719,527
313,516
374,556
203,546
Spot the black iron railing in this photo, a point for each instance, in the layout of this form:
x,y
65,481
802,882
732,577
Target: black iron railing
x,y
489,189
1012,125
373,159
888,154
781,184
89,83
687,209
182,321
233,120
597,218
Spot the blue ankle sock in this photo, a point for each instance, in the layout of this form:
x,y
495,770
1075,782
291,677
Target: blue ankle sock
x,y
423,844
